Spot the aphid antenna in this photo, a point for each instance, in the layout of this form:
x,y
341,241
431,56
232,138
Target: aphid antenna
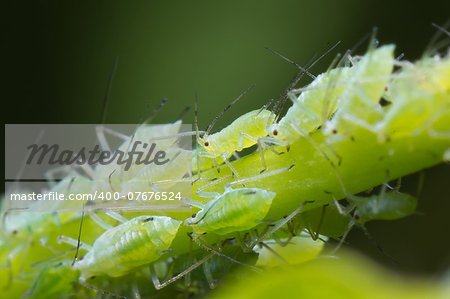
x,y
183,112
400,57
155,111
443,29
368,36
435,44
266,106
218,253
218,116
80,229
302,69
107,96
278,107
376,244
196,116
158,285
182,134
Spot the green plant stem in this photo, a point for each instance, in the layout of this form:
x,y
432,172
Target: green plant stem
x,y
365,162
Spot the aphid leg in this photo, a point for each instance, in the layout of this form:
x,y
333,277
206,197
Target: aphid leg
x,y
206,194
214,160
116,216
260,144
274,141
439,134
280,224
8,283
315,235
102,291
201,244
135,291
360,122
325,155
276,254
342,240
99,221
211,184
101,132
260,176
228,163
73,242
52,174
344,211
208,275
158,285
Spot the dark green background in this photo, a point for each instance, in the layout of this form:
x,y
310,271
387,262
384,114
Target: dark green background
x,y
59,55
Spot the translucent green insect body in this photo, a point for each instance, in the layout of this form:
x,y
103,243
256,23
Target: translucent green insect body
x,y
241,133
422,93
127,246
346,100
339,95
150,178
110,177
359,104
315,105
385,206
233,211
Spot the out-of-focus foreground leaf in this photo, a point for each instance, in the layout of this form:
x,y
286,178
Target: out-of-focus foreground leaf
x,y
346,276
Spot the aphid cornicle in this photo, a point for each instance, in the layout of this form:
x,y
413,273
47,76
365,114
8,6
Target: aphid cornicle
x,y
132,244
235,210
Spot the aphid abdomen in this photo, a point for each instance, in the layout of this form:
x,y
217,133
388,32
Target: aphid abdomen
x,y
363,91
315,105
134,243
420,90
234,211
232,137
177,166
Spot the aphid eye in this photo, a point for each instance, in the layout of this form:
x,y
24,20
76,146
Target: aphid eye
x,y
275,132
194,215
148,219
206,143
14,232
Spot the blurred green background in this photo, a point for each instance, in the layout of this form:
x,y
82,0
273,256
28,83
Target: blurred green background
x,y
59,55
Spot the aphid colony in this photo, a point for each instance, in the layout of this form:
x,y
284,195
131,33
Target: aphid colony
x,y
342,100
